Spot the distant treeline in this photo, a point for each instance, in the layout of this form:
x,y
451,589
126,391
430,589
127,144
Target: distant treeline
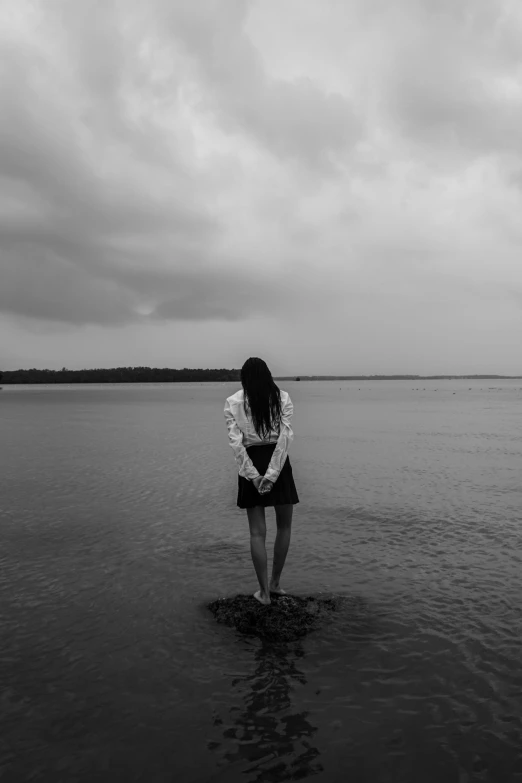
x,y
390,377
117,375
167,375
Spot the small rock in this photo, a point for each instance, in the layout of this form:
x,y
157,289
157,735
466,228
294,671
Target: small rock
x,y
286,618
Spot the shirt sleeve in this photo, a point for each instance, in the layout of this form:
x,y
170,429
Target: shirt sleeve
x,y
235,438
284,440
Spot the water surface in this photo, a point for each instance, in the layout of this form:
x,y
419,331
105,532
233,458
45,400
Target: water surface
x,y
119,525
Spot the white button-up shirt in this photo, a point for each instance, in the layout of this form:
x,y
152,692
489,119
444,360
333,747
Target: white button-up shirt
x,y
242,434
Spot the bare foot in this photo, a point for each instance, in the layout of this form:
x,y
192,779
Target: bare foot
x,y
262,599
277,590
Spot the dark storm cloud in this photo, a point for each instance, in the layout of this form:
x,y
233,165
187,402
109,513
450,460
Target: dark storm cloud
x,y
39,280
217,294
61,225
79,245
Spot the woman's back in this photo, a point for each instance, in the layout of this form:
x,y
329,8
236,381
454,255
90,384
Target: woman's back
x,y
243,417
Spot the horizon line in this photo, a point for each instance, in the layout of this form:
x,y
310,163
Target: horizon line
x,y
291,376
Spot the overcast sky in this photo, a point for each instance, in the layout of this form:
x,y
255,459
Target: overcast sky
x,y
332,185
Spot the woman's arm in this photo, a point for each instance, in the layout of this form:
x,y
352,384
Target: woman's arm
x,y
284,440
235,437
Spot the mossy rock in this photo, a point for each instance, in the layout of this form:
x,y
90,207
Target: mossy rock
x,y
285,619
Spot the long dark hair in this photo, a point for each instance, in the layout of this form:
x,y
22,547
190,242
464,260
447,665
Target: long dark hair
x,y
262,396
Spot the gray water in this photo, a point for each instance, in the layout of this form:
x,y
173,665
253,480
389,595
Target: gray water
x,y
119,525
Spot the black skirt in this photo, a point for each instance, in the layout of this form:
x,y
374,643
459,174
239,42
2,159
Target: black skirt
x,y
282,492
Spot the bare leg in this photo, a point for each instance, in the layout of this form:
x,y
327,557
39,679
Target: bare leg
x,y
284,530
256,520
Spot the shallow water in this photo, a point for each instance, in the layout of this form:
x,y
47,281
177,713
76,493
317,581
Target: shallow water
x,y
119,525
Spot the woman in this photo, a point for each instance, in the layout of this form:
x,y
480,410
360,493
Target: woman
x,y
259,430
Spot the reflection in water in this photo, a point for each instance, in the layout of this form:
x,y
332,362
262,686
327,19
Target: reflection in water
x,y
276,741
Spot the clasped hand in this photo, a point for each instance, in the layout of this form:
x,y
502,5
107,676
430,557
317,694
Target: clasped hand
x,y
262,484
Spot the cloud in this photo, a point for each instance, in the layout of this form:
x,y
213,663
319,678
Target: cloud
x,y
294,119
103,218
453,86
225,80
224,161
